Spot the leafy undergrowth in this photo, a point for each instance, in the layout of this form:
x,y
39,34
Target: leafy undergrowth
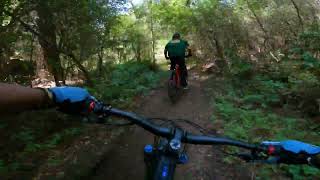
x,y
127,81
29,139
253,110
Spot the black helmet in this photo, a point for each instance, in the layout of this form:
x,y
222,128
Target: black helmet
x,y
176,35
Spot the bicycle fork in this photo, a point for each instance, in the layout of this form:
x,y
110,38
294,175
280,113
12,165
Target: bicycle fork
x,y
160,165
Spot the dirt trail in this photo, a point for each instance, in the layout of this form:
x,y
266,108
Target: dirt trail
x,y
125,160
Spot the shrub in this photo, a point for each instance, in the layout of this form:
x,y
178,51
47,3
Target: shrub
x,y
126,81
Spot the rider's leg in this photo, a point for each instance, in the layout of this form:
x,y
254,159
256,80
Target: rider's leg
x,y
172,63
184,73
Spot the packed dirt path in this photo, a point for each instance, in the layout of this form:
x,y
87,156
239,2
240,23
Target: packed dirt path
x,y
125,160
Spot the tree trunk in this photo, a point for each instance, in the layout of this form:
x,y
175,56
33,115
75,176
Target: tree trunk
x,y
139,52
219,48
298,13
48,41
31,48
257,18
290,29
2,63
39,58
314,12
217,45
267,37
152,35
100,61
80,66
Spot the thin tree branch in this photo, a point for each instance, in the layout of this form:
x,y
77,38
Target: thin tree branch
x,y
298,13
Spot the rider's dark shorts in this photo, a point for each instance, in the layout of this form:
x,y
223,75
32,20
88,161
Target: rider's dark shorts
x,y
177,60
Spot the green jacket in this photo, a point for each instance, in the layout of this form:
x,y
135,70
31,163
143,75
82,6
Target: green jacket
x,y
176,48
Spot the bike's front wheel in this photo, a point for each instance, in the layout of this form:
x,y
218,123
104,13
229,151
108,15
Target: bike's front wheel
x,y
172,91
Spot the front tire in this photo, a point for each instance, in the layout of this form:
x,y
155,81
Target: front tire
x,y
172,89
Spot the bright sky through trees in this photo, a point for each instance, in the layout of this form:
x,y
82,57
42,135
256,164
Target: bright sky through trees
x,y
136,2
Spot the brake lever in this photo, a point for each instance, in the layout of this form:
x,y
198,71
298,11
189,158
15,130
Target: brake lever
x,y
99,108
96,111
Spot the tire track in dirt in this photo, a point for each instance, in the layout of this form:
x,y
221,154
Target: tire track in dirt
x,y
125,160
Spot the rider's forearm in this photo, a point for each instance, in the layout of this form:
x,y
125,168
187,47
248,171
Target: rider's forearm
x,y
16,98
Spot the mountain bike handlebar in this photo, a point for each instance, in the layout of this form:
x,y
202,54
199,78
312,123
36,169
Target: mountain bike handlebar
x,y
169,132
208,140
259,152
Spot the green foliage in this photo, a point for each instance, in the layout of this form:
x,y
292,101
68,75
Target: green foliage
x,y
58,138
307,48
6,167
300,172
310,39
238,66
52,161
174,14
6,6
72,131
131,36
299,73
309,62
25,136
253,99
3,167
270,90
30,140
55,140
242,70
248,113
302,81
28,137
126,81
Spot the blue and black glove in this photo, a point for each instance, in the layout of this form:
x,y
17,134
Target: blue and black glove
x,y
295,152
72,100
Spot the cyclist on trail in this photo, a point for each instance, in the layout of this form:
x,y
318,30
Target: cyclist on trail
x,y
74,100
176,50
